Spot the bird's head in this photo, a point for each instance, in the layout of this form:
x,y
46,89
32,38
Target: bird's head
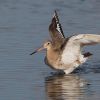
x,y
47,45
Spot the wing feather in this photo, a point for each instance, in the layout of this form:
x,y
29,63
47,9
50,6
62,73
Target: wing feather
x,y
85,39
56,32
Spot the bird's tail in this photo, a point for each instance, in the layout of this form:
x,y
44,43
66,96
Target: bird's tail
x,y
87,54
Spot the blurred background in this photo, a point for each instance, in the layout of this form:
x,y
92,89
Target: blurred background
x,y
23,28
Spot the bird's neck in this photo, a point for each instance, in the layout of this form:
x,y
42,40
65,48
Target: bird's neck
x,y
52,55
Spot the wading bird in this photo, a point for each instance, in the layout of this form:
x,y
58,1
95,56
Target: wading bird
x,y
65,53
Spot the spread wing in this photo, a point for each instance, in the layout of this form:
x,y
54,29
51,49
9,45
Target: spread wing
x,y
73,46
85,39
56,32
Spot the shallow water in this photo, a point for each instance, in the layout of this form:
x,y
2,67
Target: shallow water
x,y
23,27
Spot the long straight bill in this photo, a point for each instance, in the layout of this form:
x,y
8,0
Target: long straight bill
x,y
38,50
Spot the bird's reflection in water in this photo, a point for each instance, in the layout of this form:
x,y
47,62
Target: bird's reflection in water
x,y
66,87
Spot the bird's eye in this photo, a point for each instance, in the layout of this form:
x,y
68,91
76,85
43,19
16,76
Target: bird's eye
x,y
48,43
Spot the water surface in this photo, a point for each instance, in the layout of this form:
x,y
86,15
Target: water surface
x,y
24,27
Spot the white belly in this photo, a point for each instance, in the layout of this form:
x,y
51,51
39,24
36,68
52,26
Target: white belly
x,y
69,57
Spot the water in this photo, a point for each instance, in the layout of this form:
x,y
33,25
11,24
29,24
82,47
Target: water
x,y
23,27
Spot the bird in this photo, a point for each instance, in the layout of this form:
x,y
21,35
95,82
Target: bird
x,y
65,53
